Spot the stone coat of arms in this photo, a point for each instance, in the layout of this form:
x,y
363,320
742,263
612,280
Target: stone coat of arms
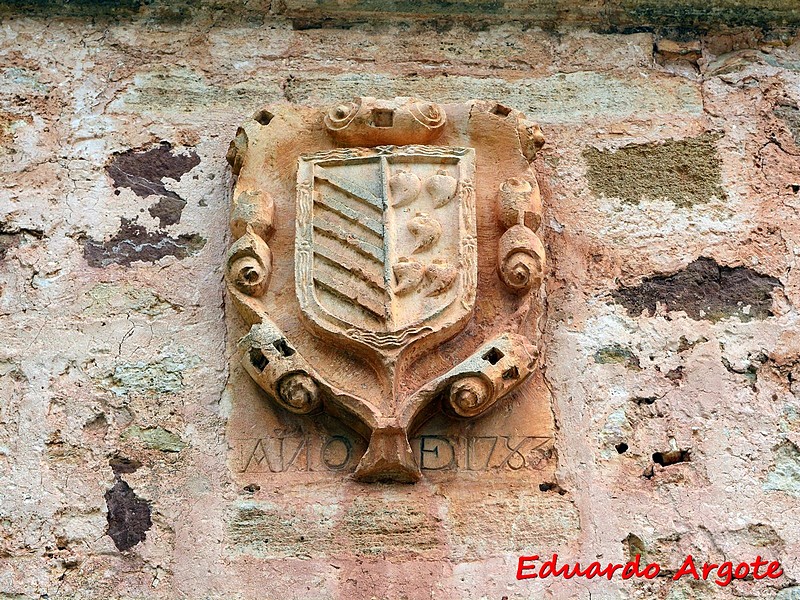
x,y
386,258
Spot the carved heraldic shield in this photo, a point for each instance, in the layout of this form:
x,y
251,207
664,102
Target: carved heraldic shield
x,y
374,261
379,272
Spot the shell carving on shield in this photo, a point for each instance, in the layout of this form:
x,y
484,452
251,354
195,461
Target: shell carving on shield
x,y
365,237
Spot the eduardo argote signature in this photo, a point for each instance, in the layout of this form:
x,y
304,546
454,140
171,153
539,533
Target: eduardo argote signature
x,y
722,574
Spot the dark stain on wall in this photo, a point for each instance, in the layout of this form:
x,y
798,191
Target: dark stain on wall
x,y
121,465
700,15
8,241
610,16
128,516
615,16
133,242
143,172
686,172
704,287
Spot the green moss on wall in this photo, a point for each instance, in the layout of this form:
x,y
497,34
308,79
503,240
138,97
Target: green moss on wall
x,y
703,14
73,8
598,15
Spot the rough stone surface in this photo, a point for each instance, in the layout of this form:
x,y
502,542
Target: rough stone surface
x,y
685,172
116,336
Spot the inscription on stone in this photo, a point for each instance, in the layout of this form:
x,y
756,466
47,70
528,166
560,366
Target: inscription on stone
x,y
481,453
280,454
298,453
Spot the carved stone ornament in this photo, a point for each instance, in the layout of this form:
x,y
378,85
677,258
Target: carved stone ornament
x,y
386,258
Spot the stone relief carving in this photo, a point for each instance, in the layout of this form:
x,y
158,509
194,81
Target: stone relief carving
x,y
386,258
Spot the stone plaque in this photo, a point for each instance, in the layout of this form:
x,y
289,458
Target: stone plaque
x,y
387,261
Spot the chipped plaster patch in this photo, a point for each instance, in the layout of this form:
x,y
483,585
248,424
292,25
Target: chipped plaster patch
x,y
112,299
704,290
155,438
134,243
685,172
161,376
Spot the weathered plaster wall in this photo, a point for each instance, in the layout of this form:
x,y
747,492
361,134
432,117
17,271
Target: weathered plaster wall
x,y
671,182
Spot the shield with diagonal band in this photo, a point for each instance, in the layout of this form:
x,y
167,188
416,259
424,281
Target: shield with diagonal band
x,y
386,241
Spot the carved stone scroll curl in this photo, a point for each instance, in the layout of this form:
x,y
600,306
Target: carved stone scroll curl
x,y
341,115
520,251
370,122
473,386
299,393
471,395
281,370
521,259
250,265
492,372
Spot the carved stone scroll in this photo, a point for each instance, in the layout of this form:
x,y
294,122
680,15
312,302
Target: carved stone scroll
x,y
362,233
370,122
